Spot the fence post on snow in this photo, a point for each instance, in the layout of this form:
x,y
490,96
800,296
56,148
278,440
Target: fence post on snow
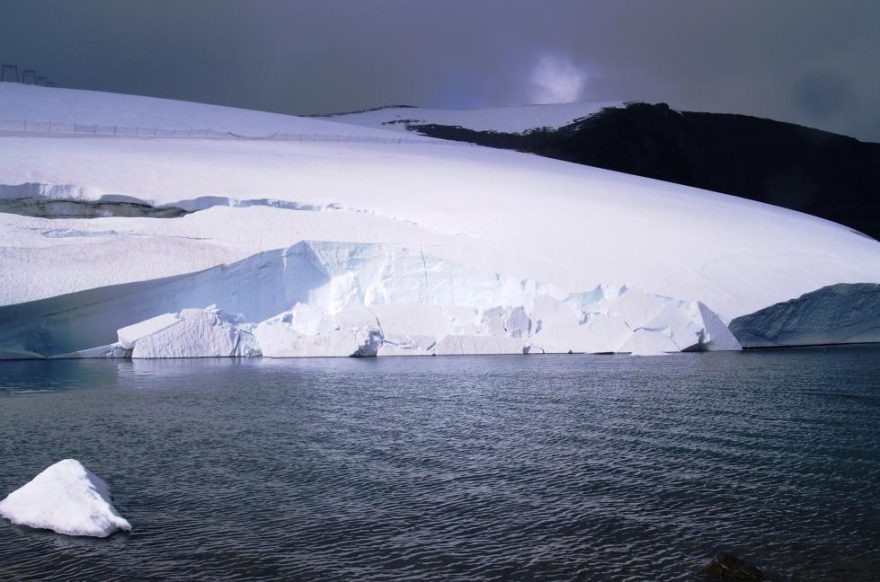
x,y
11,69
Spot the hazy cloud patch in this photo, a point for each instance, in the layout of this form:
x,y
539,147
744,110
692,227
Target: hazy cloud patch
x,y
556,80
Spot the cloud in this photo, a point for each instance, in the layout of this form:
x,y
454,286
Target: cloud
x,y
556,80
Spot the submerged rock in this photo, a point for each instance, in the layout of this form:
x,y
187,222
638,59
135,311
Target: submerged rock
x,y
66,498
729,566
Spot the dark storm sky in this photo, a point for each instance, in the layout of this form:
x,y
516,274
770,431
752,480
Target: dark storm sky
x,y
808,61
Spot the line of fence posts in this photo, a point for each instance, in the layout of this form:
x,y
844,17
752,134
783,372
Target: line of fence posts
x,y
54,127
12,74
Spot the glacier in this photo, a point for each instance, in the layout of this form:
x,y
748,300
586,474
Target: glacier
x,y
66,498
190,247
320,298
837,314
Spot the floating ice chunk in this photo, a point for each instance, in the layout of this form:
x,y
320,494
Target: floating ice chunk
x,y
66,498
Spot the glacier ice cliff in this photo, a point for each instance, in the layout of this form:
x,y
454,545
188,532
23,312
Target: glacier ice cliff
x,y
836,314
320,298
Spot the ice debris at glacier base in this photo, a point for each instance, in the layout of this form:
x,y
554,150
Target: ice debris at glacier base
x,y
191,333
340,299
66,498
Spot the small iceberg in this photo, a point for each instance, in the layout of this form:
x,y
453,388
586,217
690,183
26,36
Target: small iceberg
x,y
66,498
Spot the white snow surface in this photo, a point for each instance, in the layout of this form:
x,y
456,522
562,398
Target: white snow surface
x,y
66,498
488,213
516,119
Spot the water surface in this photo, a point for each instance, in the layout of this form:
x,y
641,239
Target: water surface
x,y
522,467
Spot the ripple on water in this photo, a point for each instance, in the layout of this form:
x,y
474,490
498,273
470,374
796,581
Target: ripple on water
x,y
469,468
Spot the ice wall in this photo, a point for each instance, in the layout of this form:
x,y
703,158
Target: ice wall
x,y
837,314
339,299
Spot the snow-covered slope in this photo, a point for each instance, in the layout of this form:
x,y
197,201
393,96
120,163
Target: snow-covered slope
x,y
501,119
493,213
68,106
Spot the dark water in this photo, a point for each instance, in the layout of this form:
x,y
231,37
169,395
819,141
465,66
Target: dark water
x,y
530,467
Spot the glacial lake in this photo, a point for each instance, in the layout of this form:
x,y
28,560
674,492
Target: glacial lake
x,y
461,468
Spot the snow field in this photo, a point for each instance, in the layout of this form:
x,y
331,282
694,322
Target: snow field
x,y
475,222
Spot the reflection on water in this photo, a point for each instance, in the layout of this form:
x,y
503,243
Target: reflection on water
x,y
495,467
